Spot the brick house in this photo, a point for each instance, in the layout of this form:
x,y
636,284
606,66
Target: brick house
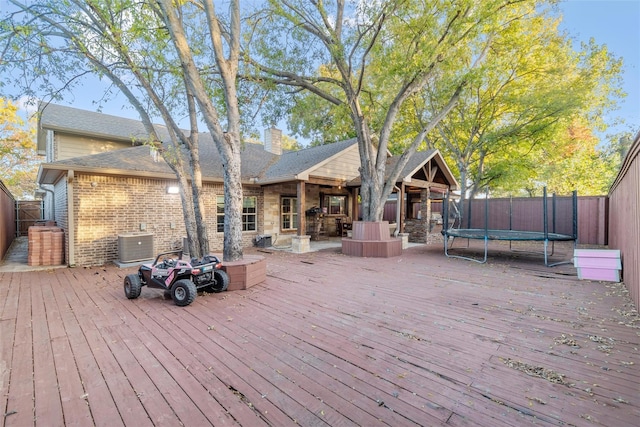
x,y
99,185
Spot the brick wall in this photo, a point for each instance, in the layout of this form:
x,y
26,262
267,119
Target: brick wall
x,y
106,206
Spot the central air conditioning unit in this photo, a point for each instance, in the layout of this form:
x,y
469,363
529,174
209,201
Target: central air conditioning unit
x,y
134,247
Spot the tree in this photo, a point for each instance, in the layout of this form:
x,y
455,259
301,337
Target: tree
x,y
618,146
511,123
18,154
228,141
158,54
369,60
290,144
574,162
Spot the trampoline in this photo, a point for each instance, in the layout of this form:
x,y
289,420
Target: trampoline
x,y
544,235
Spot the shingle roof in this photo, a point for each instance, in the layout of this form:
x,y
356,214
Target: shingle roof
x,y
91,123
415,162
139,161
418,159
292,163
258,165
134,159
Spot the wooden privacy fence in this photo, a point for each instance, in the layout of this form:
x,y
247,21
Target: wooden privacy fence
x,y
527,215
520,213
7,219
624,219
28,213
593,216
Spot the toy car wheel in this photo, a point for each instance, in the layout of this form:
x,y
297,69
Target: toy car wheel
x,y
132,286
222,281
183,292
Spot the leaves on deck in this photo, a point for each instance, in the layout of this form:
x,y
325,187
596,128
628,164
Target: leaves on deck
x,y
563,339
535,371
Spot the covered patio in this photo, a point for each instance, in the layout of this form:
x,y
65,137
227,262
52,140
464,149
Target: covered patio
x,y
326,340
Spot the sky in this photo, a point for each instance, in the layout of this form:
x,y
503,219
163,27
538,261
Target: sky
x,y
615,23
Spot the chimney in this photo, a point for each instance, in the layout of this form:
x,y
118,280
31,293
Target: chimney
x,y
273,140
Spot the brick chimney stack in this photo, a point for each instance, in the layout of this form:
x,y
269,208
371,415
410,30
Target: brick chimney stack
x,y
273,140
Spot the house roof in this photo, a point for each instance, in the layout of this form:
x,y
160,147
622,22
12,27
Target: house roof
x,y
301,164
139,161
339,160
257,165
89,123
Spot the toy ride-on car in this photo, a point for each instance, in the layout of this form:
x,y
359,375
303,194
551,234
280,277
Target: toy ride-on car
x,y
181,279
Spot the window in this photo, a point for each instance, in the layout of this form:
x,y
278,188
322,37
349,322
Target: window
x,y
335,205
289,213
249,213
220,213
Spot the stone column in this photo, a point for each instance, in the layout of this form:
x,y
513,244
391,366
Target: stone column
x,y
421,231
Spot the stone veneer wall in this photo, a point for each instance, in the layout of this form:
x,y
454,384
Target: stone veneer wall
x,y
418,228
272,195
418,231
106,206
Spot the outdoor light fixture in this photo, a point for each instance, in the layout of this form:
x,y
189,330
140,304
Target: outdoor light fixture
x,y
172,189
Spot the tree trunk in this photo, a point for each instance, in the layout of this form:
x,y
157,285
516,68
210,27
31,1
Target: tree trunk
x,y
202,236
371,175
227,142
463,192
188,214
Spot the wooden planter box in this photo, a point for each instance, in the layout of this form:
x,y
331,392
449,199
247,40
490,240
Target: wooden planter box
x,y
598,264
249,271
371,239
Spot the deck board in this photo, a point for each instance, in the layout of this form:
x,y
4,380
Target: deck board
x,y
327,339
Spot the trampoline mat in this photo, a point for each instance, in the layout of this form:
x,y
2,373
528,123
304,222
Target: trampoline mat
x,y
478,233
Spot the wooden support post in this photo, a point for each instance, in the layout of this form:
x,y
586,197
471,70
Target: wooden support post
x,y
302,220
403,208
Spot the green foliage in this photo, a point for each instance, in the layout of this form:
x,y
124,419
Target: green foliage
x,y
379,71
368,63
523,83
510,119
18,156
161,55
290,144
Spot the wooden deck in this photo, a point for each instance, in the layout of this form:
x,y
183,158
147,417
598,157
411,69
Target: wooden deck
x,y
331,340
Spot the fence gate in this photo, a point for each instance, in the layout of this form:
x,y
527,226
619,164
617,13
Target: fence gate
x,y
28,212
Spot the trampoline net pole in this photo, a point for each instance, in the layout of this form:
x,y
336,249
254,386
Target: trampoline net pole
x,y
486,214
575,216
445,211
545,220
553,213
510,219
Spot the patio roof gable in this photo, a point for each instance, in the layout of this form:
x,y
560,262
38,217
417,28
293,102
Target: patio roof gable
x,y
424,169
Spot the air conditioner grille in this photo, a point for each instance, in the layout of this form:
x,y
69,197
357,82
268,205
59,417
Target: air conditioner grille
x,y
135,247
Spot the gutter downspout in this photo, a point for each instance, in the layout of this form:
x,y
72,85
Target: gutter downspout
x,y
71,234
53,200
